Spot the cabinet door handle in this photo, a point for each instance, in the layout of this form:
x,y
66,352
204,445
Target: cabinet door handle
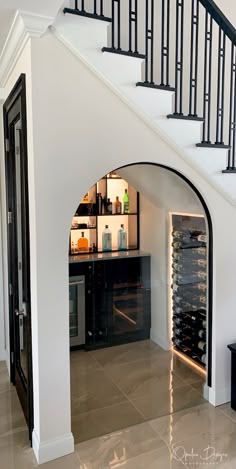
x,y
20,312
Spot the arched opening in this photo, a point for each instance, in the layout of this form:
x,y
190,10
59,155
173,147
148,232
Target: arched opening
x,y
140,354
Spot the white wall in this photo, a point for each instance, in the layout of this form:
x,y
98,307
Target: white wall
x,y
228,7
161,192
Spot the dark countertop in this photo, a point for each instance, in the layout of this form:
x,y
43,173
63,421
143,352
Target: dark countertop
x,y
232,347
107,256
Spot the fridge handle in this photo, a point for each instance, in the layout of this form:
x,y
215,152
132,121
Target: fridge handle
x,y
79,282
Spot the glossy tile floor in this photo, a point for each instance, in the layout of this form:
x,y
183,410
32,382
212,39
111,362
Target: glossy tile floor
x,y
120,386
200,436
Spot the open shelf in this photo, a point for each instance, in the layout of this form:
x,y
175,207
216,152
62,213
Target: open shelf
x,y
98,207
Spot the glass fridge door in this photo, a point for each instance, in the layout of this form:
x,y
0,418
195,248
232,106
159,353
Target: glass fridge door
x,y
77,310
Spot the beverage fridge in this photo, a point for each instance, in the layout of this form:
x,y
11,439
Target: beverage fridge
x,y
77,310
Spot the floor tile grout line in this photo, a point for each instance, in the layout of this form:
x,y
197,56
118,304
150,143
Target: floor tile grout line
x,y
228,416
99,408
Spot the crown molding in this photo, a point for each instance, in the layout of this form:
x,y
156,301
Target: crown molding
x,y
25,25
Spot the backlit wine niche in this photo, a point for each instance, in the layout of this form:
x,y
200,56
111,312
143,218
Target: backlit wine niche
x,y
189,287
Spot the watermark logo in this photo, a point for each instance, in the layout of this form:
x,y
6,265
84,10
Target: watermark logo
x,y
208,456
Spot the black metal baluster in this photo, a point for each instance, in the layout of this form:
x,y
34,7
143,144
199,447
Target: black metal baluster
x,y
132,46
95,7
133,20
136,28
179,58
149,48
165,41
146,43
220,90
101,8
118,25
234,125
152,43
194,59
130,25
96,13
232,114
113,24
206,136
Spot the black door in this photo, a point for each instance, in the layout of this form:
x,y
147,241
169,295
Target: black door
x,y
18,246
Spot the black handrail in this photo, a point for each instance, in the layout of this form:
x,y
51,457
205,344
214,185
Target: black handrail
x,y
220,18
204,83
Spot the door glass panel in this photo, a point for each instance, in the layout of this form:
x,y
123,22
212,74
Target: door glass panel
x,y
21,330
73,311
77,310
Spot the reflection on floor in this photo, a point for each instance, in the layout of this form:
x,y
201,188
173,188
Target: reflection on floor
x,y
175,441
117,387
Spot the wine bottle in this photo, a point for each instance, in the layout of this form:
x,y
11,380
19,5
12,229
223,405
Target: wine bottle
x,y
177,331
177,320
126,201
189,288
99,203
187,254
202,345
202,334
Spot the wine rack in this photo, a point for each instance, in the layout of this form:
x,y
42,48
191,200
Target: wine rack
x,y
189,287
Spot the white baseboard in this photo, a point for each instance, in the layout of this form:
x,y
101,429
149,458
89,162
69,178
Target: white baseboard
x,y
219,397
162,342
206,391
48,450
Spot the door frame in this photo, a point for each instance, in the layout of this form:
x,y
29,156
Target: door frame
x,y
19,93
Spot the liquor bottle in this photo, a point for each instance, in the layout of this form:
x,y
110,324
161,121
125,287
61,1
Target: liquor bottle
x,y
90,208
104,205
106,239
109,207
99,203
122,238
126,201
83,243
117,206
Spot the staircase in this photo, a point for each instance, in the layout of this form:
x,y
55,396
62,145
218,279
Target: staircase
x,y
174,63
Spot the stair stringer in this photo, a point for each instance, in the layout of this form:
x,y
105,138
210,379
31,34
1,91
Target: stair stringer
x,y
85,38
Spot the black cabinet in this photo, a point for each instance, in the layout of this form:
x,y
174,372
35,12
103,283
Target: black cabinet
x,y
117,300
